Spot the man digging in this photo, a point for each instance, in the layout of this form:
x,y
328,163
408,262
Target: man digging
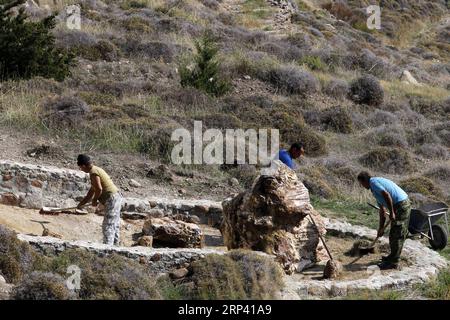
x,y
104,191
391,197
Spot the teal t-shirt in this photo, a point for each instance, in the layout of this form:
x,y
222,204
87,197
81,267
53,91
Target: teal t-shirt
x,y
377,185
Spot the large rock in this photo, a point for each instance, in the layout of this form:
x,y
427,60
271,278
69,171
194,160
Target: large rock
x,y
408,78
171,233
272,217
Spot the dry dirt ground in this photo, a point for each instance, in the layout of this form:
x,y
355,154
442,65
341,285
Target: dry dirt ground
x,y
81,227
358,270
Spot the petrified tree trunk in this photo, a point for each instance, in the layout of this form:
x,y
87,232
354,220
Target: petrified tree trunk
x,y
272,217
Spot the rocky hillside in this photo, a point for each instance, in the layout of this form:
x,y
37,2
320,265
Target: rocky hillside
x,y
358,98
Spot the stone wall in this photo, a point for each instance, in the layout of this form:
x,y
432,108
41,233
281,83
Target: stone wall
x,y
158,259
33,186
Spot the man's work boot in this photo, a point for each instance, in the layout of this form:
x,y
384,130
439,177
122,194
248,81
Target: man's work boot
x,y
386,265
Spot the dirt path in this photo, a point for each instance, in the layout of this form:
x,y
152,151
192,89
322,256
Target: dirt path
x,y
278,23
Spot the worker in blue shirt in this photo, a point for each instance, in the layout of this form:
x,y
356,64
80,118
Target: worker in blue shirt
x,y
287,156
392,198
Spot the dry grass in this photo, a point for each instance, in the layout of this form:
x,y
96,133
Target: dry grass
x,y
398,90
21,108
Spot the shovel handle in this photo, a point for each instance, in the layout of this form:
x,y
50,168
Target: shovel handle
x,y
320,236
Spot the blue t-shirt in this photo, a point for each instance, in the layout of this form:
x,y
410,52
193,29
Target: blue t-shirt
x,y
377,185
286,158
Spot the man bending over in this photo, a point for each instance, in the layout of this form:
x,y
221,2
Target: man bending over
x,y
104,191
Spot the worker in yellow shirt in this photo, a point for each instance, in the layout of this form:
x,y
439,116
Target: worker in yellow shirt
x,y
105,192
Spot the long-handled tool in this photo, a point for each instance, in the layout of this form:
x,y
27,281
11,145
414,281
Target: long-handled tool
x,y
332,268
57,211
364,250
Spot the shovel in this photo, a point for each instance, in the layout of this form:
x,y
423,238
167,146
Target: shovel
x,y
371,248
333,267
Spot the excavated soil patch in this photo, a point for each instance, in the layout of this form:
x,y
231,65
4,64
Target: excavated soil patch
x,y
340,248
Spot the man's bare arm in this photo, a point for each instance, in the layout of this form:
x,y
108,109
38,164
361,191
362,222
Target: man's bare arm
x,y
87,198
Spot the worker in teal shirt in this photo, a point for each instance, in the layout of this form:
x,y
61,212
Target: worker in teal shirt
x,y
287,156
392,198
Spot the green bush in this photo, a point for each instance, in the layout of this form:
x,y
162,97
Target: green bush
x,y
438,288
237,275
313,63
204,74
27,48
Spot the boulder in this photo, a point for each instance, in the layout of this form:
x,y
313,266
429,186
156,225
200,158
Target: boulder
x,y
178,273
408,78
171,233
10,199
145,241
273,217
133,183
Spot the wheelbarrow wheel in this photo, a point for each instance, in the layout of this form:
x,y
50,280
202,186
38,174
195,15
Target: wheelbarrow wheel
x,y
440,237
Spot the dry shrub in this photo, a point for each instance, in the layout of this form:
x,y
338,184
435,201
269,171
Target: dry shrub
x,y
339,9
157,143
219,121
282,50
337,89
434,151
42,286
16,257
367,90
418,136
112,277
337,119
421,185
64,111
388,136
439,173
380,117
245,174
186,99
237,275
293,80
316,183
293,129
156,50
388,160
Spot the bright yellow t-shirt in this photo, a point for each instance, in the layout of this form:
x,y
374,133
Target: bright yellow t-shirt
x,y
108,185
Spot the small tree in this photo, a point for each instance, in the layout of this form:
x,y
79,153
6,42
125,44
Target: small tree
x,y
27,48
204,73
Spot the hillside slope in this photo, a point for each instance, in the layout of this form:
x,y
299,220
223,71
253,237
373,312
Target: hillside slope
x,y
290,63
